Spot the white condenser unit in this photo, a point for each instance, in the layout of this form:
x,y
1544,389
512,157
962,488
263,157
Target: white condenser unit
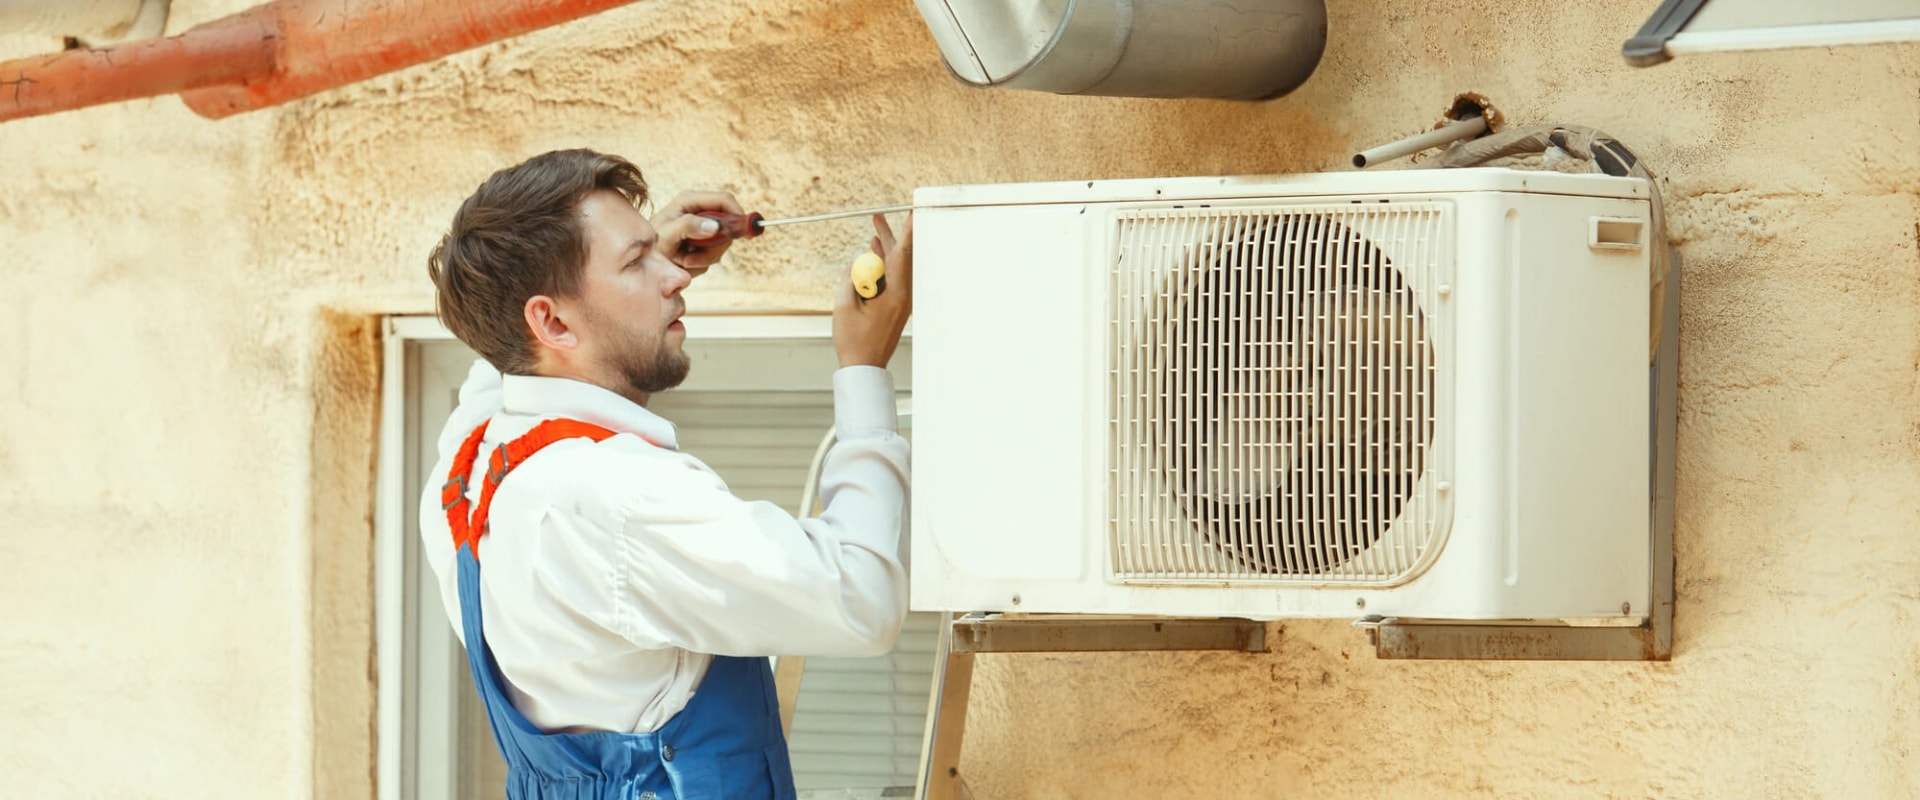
x,y
1419,394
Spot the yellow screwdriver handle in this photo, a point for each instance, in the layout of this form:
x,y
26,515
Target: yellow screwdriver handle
x,y
869,275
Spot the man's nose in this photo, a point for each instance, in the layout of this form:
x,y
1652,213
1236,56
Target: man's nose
x,y
677,279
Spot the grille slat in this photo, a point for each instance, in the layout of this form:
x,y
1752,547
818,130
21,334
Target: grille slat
x,y
1274,400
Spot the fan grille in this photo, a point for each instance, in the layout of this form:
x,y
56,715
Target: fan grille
x,y
1274,393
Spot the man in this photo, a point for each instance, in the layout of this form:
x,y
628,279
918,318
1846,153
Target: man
x,y
629,599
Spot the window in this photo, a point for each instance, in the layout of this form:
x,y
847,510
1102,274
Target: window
x,y
755,407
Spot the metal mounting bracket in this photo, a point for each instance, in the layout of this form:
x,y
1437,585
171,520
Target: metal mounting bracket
x,y
963,637
1067,634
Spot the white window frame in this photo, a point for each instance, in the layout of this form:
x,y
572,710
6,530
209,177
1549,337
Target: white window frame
x,y
391,500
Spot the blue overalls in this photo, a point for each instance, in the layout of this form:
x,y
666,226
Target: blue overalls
x,y
725,745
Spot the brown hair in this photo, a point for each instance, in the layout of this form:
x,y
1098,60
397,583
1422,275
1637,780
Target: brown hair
x,y
518,236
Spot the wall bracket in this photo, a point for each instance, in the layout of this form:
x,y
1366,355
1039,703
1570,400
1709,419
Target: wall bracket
x,y
963,637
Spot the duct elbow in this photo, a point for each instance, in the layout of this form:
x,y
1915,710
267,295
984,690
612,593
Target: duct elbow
x,y
1250,50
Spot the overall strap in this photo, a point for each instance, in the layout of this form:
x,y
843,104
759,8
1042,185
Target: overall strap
x,y
453,493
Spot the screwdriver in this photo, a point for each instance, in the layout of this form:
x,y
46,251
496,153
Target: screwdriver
x,y
869,275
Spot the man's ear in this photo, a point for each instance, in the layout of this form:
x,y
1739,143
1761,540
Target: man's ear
x,y
548,323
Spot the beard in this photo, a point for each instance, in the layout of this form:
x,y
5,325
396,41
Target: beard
x,y
654,369
646,364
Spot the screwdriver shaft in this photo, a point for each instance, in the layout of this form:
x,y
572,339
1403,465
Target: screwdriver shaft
x,y
835,215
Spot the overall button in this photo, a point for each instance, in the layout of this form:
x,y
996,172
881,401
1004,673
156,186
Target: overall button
x,y
649,796
666,752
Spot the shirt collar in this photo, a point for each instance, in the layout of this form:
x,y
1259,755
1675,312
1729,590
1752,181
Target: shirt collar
x,y
533,395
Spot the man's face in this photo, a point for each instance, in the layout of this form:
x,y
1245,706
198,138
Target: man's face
x,y
630,295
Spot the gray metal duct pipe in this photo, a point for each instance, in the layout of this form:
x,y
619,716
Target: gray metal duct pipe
x,y
1225,49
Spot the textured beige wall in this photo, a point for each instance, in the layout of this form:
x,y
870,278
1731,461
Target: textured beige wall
x,y
186,374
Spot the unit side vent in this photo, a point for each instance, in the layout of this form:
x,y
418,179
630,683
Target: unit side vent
x,y
1277,406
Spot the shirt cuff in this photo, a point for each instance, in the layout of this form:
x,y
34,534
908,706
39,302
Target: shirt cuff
x,y
863,404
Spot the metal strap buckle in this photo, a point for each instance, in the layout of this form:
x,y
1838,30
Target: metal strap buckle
x,y
497,472
453,492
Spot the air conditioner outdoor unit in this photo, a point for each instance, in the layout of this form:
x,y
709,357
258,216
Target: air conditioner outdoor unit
x,y
1420,394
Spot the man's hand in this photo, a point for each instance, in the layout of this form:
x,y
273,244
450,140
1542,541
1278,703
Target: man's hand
x,y
677,224
866,332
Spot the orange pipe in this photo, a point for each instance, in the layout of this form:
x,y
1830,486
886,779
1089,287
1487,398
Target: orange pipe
x,y
330,43
274,53
239,51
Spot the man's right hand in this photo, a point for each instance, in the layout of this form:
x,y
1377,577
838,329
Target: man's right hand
x,y
866,332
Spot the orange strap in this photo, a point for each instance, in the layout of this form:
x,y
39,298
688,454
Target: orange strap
x,y
453,493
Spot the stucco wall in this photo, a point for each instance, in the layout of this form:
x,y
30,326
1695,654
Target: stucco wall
x,y
186,372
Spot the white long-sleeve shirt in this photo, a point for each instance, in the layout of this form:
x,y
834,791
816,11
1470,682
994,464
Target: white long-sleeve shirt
x,y
613,571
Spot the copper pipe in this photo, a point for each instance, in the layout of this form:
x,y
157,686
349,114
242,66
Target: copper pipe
x,y
274,53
